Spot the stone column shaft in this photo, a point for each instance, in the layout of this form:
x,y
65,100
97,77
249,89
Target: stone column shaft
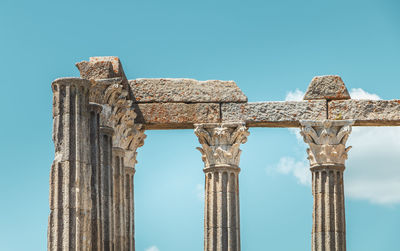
x,y
327,155
329,228
221,156
70,196
129,207
94,128
118,196
106,189
222,216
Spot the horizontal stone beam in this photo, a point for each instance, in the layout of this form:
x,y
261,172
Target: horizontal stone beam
x,y
176,115
159,90
262,114
274,114
366,112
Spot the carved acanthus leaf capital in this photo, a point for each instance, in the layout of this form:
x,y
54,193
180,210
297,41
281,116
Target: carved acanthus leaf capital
x,y
327,141
133,139
118,113
221,142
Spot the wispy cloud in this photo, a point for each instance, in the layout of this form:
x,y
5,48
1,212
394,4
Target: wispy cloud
x,y
300,169
153,248
372,170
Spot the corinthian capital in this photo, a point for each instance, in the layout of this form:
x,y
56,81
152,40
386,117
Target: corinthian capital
x,y
327,141
220,143
133,138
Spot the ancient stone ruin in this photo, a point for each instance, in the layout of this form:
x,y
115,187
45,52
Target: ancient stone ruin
x,y
99,122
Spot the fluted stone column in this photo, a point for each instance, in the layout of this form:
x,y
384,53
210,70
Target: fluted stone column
x,y
129,209
221,155
106,188
118,197
94,128
134,139
70,196
327,154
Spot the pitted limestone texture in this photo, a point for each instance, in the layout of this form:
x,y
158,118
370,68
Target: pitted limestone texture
x,y
329,87
366,112
274,114
185,91
176,115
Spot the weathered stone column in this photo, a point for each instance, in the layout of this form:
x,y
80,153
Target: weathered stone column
x,y
221,155
118,196
106,189
94,128
327,154
133,139
70,197
129,209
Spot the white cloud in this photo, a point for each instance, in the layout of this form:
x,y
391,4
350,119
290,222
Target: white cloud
x,y
153,248
358,93
296,95
300,169
373,168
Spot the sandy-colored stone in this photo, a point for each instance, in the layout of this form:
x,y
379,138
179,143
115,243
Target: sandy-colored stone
x,y
221,156
327,87
70,219
115,62
185,90
366,112
95,70
175,115
101,68
274,114
327,154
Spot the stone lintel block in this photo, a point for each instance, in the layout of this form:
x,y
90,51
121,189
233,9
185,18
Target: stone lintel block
x,y
101,68
176,115
95,70
366,112
162,90
329,87
274,113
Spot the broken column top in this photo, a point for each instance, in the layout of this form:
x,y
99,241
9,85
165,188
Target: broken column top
x,y
328,87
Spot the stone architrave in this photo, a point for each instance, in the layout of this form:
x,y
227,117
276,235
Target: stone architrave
x,y
94,130
70,196
221,156
327,154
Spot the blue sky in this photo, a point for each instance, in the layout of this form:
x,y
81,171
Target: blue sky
x,y
270,48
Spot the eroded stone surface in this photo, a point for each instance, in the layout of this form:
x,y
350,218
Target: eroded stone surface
x,y
185,90
274,114
176,115
327,141
101,68
97,70
327,154
221,155
366,112
327,87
